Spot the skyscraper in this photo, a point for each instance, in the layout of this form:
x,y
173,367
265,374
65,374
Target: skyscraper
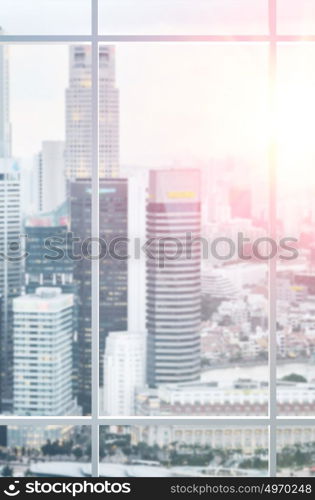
x,y
10,269
5,127
78,152
50,176
10,225
43,266
173,277
43,324
124,371
113,271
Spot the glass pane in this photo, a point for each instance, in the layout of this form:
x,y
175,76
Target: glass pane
x,y
45,451
45,283
46,17
113,207
200,17
181,450
296,17
295,451
296,188
192,151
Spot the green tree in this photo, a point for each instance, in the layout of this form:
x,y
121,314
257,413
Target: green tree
x,y
294,377
7,471
47,449
78,452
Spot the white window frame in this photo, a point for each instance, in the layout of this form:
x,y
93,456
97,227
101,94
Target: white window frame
x,y
272,421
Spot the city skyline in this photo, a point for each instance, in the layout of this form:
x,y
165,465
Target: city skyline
x,y
205,170
223,181
159,147
210,142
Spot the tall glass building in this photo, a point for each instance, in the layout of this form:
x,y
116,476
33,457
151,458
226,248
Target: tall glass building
x,y
47,263
78,151
113,270
173,277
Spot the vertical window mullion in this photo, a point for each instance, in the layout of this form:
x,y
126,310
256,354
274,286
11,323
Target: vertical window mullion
x,y
95,236
273,235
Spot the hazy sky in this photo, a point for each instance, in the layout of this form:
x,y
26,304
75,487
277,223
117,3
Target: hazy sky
x,y
154,16
180,103
134,16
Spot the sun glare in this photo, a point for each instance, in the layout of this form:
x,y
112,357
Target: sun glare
x,y
295,118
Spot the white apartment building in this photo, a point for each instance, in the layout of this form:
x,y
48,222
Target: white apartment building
x,y
50,176
124,371
42,363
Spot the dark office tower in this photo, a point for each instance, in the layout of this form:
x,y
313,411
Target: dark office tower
x,y
173,277
240,203
3,435
47,263
113,271
10,269
41,267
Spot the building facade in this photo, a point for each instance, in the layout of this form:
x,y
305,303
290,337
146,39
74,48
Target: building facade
x,y
49,262
113,269
173,277
43,325
50,176
241,398
78,151
124,371
226,438
229,437
10,269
